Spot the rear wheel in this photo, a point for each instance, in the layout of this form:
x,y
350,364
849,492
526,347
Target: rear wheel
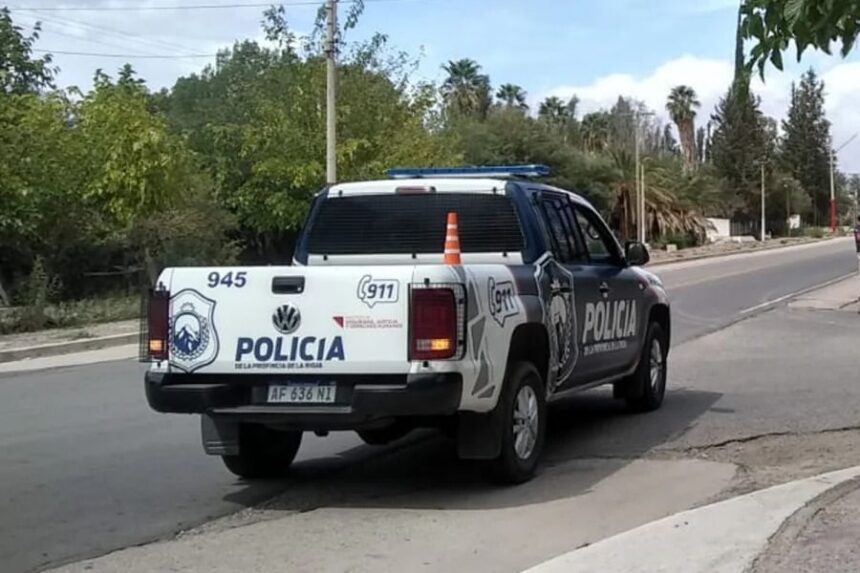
x,y
263,452
650,376
523,414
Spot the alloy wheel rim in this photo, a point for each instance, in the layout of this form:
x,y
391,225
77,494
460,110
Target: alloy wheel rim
x,y
526,422
656,365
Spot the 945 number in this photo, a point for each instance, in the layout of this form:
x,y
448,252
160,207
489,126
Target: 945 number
x,y
228,279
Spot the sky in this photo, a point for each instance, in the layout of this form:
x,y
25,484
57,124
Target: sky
x,y
596,49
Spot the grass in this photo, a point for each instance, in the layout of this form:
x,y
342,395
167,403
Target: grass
x,y
70,314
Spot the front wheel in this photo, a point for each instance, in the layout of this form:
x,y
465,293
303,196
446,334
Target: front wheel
x,y
263,452
523,411
650,376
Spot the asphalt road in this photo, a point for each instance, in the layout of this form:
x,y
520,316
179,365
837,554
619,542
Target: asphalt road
x,y
710,294
87,468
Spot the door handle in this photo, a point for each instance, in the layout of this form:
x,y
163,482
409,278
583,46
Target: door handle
x,y
604,288
288,285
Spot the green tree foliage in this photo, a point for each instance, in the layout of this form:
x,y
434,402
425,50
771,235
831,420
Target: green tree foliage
x,y
774,24
512,96
682,105
596,131
466,90
806,146
137,166
738,148
20,72
257,119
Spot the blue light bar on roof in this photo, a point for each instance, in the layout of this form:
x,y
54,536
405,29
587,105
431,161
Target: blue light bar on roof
x,y
477,171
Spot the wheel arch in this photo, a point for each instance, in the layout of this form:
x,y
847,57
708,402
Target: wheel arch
x,y
660,314
530,342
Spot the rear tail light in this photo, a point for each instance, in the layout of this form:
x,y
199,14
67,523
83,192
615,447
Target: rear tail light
x,y
435,323
157,331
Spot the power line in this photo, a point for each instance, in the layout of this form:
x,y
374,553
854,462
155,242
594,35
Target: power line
x,y
51,27
116,33
179,6
146,56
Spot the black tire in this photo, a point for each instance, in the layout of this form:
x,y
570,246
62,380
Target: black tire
x,y
511,467
386,435
650,391
263,453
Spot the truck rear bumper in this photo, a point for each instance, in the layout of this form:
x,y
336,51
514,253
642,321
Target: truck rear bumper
x,y
360,403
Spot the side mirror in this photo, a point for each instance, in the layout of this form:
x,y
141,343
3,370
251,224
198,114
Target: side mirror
x,y
637,254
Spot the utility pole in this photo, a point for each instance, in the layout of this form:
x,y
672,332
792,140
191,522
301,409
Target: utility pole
x,y
642,224
638,184
762,204
331,91
832,194
833,153
640,179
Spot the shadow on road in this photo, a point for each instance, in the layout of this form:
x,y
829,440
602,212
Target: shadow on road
x,y
591,437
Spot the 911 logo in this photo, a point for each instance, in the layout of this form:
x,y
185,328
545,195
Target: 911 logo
x,y
503,300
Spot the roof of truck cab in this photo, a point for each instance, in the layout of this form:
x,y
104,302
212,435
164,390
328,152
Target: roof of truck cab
x,y
440,185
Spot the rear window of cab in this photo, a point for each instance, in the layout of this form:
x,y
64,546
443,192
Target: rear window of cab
x,y
413,223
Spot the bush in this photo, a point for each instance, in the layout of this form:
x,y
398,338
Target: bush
x,y
814,232
71,314
38,291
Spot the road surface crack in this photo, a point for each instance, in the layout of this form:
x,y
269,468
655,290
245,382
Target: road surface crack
x,y
762,436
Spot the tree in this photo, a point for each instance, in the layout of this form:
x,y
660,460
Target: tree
x,y
772,24
553,111
737,148
512,96
572,107
624,120
20,72
595,130
668,141
466,91
806,146
682,105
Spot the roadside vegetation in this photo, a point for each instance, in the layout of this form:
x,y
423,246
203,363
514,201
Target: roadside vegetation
x,y
100,189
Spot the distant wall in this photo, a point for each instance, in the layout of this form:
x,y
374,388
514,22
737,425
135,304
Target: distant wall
x,y
721,229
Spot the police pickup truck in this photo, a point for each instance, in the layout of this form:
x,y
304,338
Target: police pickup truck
x,y
370,329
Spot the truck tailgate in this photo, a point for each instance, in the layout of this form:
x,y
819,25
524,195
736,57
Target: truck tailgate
x,y
280,320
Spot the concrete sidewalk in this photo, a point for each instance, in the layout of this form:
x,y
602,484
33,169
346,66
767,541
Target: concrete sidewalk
x,y
30,345
843,295
725,537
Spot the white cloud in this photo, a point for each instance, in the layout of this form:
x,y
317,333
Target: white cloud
x,y
711,78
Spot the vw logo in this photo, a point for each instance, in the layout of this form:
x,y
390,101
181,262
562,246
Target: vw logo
x,y
287,319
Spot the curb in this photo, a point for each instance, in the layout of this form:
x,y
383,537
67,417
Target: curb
x,y
68,347
724,537
739,252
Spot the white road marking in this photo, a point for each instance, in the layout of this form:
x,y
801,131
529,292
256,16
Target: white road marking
x,y
796,293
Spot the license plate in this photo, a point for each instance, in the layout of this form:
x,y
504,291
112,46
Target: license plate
x,y
302,394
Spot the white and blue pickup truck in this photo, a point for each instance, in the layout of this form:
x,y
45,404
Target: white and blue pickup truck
x,y
369,330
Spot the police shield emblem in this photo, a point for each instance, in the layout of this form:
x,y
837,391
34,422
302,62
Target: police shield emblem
x,y
193,338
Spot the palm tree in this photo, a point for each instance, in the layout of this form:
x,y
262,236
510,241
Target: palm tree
x,y
512,96
466,90
682,105
553,110
595,131
673,204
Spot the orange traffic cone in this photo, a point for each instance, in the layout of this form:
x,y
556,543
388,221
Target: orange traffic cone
x,y
452,241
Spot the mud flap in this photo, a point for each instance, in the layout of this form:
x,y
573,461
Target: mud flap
x,y
220,438
631,386
479,436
